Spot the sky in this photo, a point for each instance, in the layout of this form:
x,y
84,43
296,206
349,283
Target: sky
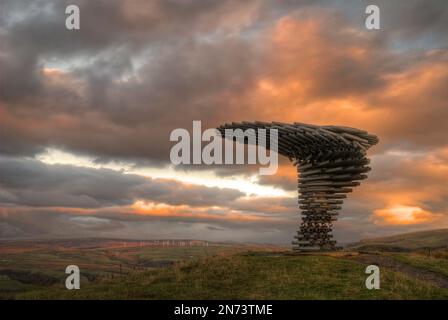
x,y
85,115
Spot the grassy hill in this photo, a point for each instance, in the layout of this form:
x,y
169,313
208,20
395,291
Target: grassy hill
x,y
405,242
218,271
253,276
28,265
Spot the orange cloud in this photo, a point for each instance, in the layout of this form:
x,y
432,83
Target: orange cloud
x,y
403,215
183,211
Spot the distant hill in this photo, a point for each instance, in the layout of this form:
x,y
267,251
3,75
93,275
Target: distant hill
x,y
405,242
26,245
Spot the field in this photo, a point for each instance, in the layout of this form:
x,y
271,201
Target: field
x,y
116,269
30,265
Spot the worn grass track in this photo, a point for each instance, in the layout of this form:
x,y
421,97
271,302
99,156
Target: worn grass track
x,y
408,265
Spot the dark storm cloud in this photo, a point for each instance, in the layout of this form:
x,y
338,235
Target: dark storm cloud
x,y
28,223
275,206
179,74
113,33
32,183
406,24
419,22
137,70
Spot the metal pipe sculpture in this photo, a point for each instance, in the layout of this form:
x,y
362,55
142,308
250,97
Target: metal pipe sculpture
x,y
330,161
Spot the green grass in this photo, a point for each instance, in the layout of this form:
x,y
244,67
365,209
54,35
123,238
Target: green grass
x,y
9,284
433,264
251,276
96,264
205,272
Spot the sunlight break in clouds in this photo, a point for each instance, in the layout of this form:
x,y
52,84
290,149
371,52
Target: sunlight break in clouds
x,y
207,178
400,214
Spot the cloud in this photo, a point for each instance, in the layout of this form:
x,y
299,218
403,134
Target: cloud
x,y
403,215
137,70
121,74
121,222
29,182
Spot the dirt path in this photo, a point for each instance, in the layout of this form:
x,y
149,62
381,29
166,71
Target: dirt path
x,y
388,262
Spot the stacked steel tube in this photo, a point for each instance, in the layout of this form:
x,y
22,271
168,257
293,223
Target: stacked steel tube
x,y
330,161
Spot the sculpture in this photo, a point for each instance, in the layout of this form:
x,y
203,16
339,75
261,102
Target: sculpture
x,y
330,161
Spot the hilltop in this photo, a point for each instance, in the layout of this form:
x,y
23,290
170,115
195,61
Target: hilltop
x,y
118,269
433,239
253,275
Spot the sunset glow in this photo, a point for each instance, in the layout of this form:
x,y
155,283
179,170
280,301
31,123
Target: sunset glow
x,y
400,214
86,116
